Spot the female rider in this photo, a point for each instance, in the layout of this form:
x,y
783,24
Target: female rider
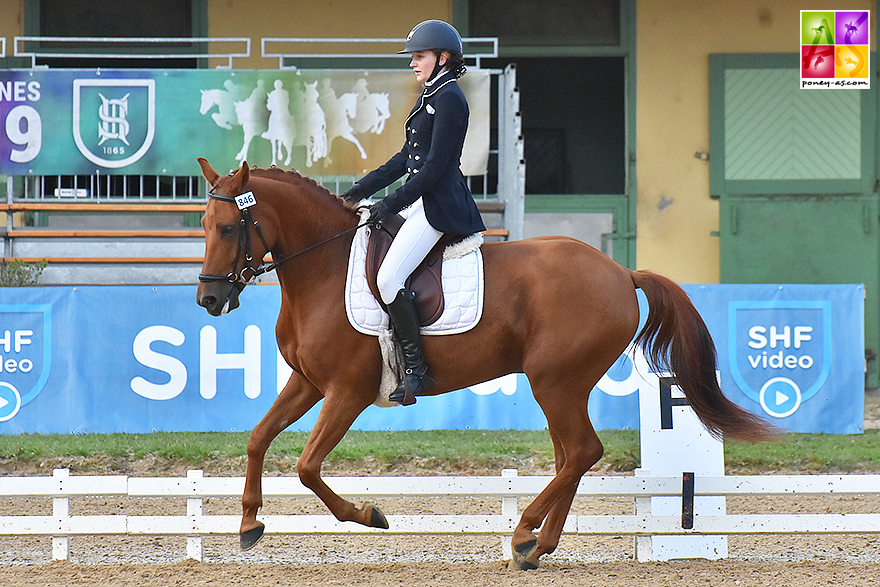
x,y
435,189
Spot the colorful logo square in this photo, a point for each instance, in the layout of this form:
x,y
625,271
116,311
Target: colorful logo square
x,y
852,28
817,61
817,27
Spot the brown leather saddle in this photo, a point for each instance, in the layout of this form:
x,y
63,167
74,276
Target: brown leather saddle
x,y
425,281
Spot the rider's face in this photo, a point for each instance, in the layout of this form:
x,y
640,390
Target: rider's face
x,y
423,63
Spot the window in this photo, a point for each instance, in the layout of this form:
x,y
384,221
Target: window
x,y
572,88
525,23
116,18
573,123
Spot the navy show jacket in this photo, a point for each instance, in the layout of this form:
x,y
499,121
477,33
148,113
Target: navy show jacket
x,y
431,159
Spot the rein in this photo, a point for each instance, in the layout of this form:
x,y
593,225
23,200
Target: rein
x,y
244,241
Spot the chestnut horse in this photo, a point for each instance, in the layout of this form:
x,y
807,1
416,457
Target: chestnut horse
x,y
555,309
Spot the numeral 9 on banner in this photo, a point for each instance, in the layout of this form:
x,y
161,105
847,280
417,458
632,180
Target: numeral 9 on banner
x,y
25,129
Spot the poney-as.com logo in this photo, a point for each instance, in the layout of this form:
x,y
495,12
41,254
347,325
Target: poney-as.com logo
x,y
836,49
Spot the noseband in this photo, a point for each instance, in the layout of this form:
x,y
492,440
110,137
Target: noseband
x,y
244,202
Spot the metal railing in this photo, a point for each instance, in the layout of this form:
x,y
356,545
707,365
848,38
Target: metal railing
x,y
137,188
476,48
122,48
103,187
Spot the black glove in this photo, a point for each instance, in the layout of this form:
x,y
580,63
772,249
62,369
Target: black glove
x,y
354,194
378,212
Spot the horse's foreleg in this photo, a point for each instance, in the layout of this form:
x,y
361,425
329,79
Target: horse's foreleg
x,y
297,397
337,416
353,139
242,155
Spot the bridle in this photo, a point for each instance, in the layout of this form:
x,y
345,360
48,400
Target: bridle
x,y
244,243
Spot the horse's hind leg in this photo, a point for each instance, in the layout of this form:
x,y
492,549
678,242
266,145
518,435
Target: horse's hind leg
x,y
551,530
577,449
297,398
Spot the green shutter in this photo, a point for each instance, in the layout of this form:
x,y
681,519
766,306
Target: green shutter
x,y
774,130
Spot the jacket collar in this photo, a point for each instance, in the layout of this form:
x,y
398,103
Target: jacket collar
x,y
440,73
443,78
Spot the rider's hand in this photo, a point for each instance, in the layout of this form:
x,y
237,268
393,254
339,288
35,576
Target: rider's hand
x,y
354,194
378,211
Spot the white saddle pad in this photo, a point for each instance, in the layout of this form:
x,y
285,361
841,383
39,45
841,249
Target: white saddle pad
x,y
462,280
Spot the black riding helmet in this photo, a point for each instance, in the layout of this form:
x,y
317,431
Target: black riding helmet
x,y
437,36
433,34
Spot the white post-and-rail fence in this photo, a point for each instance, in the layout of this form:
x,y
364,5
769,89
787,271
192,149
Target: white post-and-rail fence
x,y
509,488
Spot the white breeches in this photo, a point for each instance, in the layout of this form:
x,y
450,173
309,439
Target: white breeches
x,y
412,244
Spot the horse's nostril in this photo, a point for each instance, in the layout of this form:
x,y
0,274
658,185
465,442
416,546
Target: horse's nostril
x,y
207,301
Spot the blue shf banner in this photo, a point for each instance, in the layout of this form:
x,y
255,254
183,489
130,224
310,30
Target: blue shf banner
x,y
104,359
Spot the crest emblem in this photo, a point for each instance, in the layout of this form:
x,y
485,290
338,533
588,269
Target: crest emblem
x,y
25,354
114,120
780,351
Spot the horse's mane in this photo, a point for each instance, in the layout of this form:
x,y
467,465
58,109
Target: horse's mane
x,y
293,177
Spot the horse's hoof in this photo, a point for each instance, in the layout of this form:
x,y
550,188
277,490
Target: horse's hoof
x,y
249,539
377,518
525,556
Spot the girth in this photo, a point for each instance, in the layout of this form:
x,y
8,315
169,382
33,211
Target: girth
x,y
425,281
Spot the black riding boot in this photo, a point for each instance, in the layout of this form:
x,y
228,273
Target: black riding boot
x,y
405,322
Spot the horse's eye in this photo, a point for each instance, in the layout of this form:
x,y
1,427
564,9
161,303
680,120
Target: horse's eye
x,y
227,230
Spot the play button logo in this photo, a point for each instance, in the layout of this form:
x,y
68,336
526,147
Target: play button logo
x,y
10,401
780,397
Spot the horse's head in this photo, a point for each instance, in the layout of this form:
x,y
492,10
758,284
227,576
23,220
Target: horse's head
x,y
231,250
383,105
208,100
349,104
254,211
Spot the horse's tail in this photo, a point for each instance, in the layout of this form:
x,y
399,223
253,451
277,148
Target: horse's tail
x,y
676,340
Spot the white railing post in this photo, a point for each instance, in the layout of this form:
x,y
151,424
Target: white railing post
x,y
61,513
195,545
509,510
643,543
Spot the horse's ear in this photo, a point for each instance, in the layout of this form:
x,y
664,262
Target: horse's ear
x,y
208,171
242,175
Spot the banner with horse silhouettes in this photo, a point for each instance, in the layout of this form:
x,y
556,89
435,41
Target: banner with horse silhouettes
x,y
157,122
